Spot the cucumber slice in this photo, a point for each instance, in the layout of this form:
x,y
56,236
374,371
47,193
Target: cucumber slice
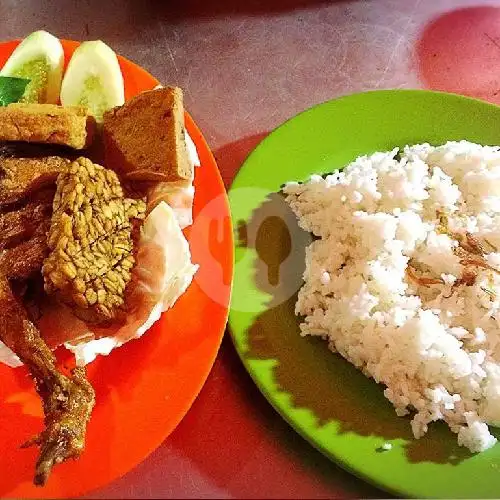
x,y
40,58
93,79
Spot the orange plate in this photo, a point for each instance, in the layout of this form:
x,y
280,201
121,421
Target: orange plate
x,y
146,387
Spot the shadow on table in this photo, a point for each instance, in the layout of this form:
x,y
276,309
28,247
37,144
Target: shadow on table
x,y
314,378
231,157
231,429
459,52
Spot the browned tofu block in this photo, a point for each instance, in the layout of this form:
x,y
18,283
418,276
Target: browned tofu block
x,y
47,123
145,138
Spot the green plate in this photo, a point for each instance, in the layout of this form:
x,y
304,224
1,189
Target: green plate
x,y
330,403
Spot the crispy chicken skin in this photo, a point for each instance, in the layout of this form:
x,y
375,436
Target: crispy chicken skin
x,y
20,178
26,259
20,224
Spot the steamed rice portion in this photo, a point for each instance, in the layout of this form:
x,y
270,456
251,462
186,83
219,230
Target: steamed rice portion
x,y
389,286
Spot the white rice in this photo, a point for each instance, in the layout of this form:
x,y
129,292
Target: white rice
x,y
435,347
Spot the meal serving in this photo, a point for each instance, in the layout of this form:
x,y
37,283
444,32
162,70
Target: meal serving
x,y
403,279
94,194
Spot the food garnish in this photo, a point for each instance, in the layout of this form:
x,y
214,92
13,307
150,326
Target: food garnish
x,y
93,79
470,250
421,280
11,89
39,58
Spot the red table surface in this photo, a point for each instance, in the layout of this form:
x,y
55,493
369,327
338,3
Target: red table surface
x,y
245,67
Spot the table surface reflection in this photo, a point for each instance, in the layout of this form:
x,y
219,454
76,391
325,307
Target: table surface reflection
x,y
246,67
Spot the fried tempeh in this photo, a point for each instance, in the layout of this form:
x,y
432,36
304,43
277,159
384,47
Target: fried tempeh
x,y
90,241
67,401
70,126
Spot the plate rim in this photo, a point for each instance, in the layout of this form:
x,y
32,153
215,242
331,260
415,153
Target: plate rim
x,y
200,142
251,370
310,109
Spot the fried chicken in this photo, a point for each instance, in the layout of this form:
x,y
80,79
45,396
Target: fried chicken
x,y
20,224
71,219
90,230
21,177
22,261
67,401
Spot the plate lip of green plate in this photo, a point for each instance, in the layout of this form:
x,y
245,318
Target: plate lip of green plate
x,y
388,92
241,354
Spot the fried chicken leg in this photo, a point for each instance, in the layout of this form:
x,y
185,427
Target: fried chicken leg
x,y
27,187
67,401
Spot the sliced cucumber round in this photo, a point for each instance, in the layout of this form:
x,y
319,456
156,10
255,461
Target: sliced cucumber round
x,y
40,58
93,79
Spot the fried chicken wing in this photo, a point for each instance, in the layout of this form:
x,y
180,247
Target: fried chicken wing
x,y
67,401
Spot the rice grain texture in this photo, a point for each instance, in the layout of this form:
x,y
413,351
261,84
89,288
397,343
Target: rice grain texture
x,y
404,279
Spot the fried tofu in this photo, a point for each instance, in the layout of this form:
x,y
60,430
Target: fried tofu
x,y
144,139
47,123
